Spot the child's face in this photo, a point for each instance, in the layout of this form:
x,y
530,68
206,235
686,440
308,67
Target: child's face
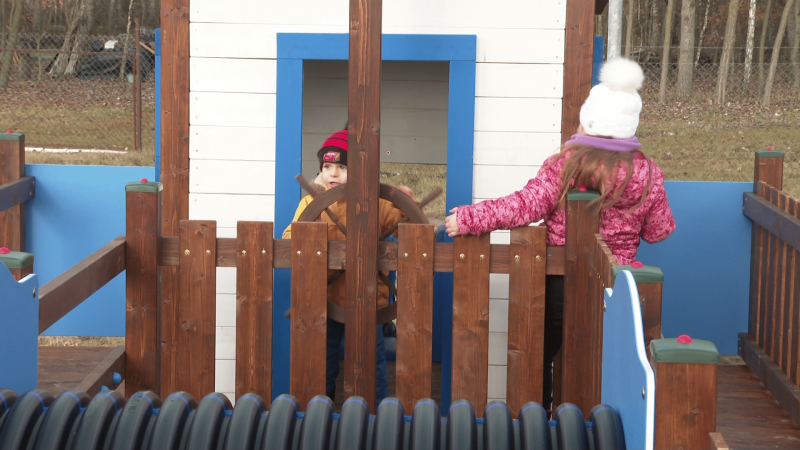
x,y
333,174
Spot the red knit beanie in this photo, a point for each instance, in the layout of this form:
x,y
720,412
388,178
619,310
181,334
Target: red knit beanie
x,y
334,149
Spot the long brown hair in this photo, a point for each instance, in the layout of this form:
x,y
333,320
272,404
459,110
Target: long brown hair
x,y
597,169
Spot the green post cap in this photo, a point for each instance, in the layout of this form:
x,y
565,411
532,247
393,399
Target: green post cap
x,y
575,194
148,186
769,154
16,260
695,352
644,274
11,136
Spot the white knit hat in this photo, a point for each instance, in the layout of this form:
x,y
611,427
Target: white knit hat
x,y
613,106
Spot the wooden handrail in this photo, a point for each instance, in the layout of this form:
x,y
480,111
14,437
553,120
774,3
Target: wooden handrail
x,y
780,223
16,192
68,290
103,373
387,255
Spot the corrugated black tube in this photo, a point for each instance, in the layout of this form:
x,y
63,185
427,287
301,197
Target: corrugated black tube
x,y
97,419
353,425
426,425
243,431
210,419
7,400
132,427
570,428
281,422
389,425
59,419
173,417
315,430
498,429
24,415
462,430
606,428
534,428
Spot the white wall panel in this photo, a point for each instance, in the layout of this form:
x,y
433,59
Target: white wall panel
x,y
232,177
223,40
498,349
226,280
498,181
232,143
519,80
232,110
475,13
517,114
521,46
233,75
226,310
226,232
498,316
328,12
225,375
498,376
514,148
498,282
227,209
226,343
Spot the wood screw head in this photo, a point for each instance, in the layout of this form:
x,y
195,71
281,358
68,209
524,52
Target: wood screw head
x,y
263,252
461,256
405,255
298,252
319,253
604,306
516,257
208,252
34,292
482,257
244,252
424,255
186,252
644,393
538,258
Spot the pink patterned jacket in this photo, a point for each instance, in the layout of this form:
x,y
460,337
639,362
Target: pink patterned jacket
x,y
652,221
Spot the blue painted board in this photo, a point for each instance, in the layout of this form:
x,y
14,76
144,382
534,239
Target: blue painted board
x,y
706,263
19,331
626,371
76,211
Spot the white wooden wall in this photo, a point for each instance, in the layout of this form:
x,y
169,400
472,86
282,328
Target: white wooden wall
x,y
519,83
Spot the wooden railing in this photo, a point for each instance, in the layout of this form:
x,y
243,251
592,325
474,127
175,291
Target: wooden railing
x,y
15,190
771,347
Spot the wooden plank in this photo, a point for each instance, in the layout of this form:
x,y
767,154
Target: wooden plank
x,y
387,255
103,373
686,405
772,294
62,368
19,274
780,223
780,294
254,309
717,442
309,310
143,291
764,265
756,255
174,164
578,371
364,137
650,296
76,284
414,313
779,385
768,170
12,168
195,309
794,295
578,48
16,192
471,320
526,285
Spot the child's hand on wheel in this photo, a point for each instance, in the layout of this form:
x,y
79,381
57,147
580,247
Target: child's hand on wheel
x,y
451,223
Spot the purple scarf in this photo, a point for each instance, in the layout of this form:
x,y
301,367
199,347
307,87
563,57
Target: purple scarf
x,y
615,145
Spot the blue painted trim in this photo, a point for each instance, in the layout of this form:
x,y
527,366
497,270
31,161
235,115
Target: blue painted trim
x,y
597,59
158,105
293,49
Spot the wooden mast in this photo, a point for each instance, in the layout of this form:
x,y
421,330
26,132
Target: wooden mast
x,y
363,115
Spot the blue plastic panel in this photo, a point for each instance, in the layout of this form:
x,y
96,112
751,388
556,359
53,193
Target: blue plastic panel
x,y
706,263
19,331
628,380
77,210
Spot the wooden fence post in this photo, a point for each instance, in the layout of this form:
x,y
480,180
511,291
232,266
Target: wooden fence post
x,y
143,287
650,284
686,394
769,169
582,348
12,168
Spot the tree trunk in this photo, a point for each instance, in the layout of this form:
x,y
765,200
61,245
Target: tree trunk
x,y
665,63
702,32
727,50
60,64
748,52
794,39
629,30
776,52
13,36
685,66
762,45
125,46
111,27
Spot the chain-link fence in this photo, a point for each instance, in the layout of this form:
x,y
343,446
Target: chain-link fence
x,y
78,92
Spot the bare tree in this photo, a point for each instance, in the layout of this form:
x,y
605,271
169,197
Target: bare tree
x,y
13,36
762,44
794,39
629,30
82,19
727,50
662,90
776,52
702,32
685,66
748,52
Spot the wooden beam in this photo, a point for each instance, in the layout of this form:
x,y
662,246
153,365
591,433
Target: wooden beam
x,y
578,47
774,379
174,161
783,225
364,119
16,192
76,284
12,168
103,373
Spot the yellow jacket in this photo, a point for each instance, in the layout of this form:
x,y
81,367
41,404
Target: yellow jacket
x,y
388,216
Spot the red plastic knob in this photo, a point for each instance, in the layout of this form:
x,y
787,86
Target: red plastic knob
x,y
143,180
684,339
637,265
4,250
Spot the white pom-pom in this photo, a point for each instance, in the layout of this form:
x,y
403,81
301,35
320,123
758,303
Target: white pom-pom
x,y
622,74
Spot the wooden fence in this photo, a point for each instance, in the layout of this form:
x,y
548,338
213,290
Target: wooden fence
x,y
771,347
